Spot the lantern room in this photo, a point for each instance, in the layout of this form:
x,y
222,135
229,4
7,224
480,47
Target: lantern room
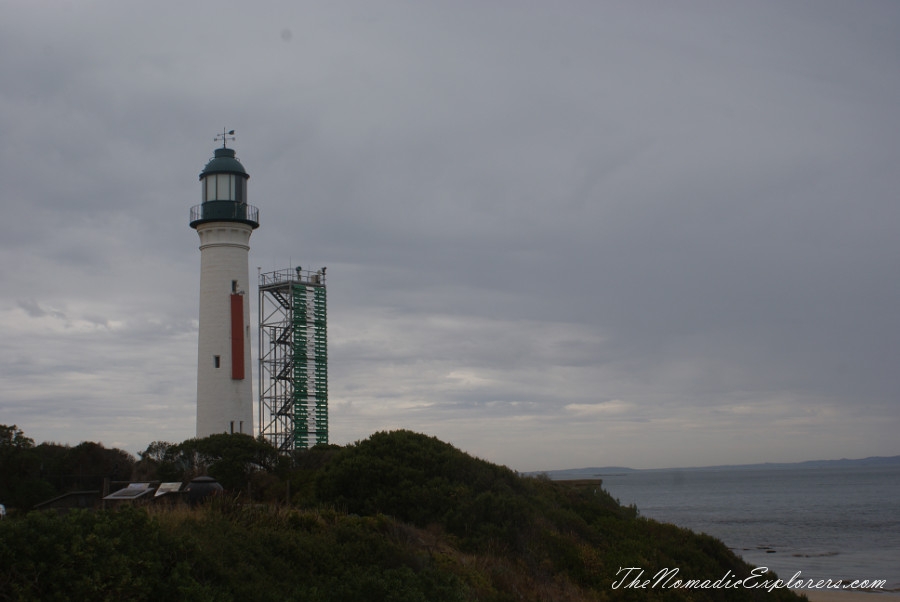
x,y
224,192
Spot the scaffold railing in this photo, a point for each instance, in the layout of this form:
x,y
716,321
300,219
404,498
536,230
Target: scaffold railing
x,y
292,275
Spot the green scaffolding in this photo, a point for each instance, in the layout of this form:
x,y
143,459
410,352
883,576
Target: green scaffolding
x,y
310,365
293,359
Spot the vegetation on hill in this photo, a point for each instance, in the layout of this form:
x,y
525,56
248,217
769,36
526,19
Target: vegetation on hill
x,y
398,516
34,473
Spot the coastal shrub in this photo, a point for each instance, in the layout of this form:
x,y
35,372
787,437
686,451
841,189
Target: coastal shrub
x,y
564,531
397,517
422,480
83,555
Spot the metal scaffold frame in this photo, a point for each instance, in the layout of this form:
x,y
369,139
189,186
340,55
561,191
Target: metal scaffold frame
x,y
293,359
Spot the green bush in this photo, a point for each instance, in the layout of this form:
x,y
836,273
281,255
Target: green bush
x,y
397,517
85,555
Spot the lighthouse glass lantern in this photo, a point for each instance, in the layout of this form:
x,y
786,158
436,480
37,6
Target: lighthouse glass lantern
x,y
224,192
224,187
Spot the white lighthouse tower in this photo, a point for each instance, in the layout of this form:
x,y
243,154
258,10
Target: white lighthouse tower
x,y
224,221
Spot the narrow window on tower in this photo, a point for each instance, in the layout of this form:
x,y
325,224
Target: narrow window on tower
x,y
242,426
232,427
234,286
217,360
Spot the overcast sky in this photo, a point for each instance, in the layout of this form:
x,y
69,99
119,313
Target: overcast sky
x,y
558,234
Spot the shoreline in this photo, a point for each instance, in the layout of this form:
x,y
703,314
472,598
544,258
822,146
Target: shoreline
x,y
821,595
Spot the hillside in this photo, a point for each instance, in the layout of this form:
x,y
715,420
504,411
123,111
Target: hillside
x,y
399,516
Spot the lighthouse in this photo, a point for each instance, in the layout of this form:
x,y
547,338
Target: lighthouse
x,y
224,222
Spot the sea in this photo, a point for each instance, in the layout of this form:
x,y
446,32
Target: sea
x,y
838,522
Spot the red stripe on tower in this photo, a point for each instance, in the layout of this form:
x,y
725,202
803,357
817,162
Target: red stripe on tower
x,y
237,337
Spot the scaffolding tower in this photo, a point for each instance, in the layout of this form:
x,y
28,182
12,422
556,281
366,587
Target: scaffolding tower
x,y
293,359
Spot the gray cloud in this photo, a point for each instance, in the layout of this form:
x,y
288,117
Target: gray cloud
x,y
557,235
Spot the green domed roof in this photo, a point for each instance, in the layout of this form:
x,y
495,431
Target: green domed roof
x,y
224,162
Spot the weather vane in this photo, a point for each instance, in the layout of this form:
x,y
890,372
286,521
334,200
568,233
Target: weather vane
x,y
225,136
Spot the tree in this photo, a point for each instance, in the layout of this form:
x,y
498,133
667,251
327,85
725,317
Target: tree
x,y
156,463
21,485
91,463
232,459
12,437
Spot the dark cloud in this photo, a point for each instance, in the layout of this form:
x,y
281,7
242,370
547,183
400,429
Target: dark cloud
x,y
602,234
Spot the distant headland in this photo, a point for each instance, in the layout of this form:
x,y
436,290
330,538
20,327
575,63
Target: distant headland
x,y
607,471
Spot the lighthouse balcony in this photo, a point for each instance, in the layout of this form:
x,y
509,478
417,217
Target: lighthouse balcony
x,y
224,211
